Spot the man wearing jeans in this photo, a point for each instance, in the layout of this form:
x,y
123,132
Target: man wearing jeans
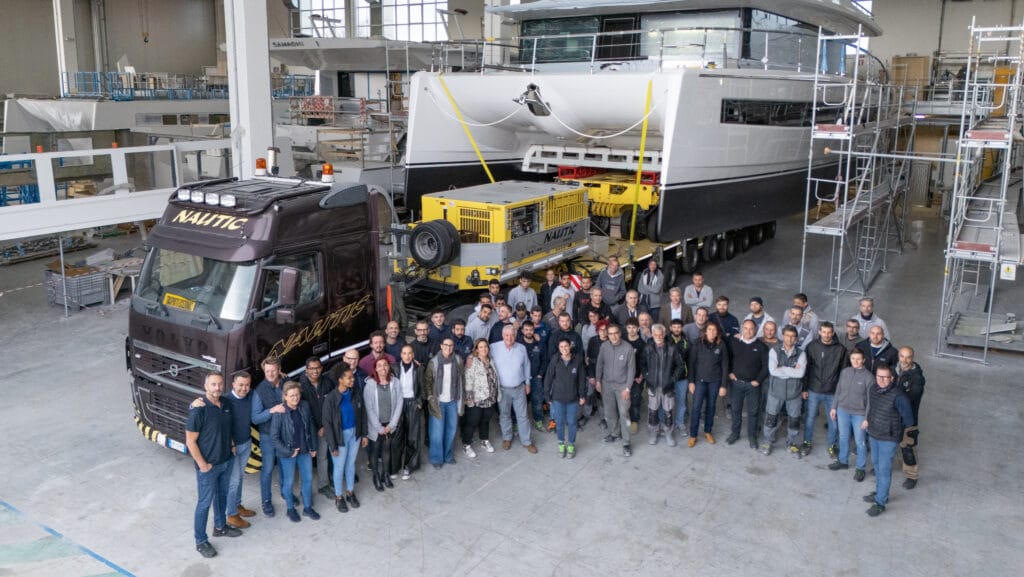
x,y
513,367
265,402
208,438
889,416
825,359
682,386
443,380
616,366
240,402
849,405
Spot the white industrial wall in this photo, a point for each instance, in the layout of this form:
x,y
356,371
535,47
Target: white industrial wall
x,y
181,33
912,26
28,47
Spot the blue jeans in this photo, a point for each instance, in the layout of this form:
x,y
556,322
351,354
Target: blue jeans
x,y
537,398
682,387
345,462
305,464
213,489
848,421
813,400
703,392
235,478
882,453
267,467
564,415
442,433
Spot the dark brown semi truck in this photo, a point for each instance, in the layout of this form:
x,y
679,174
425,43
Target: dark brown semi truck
x,y
239,270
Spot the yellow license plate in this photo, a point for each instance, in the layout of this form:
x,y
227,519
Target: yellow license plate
x,y
173,300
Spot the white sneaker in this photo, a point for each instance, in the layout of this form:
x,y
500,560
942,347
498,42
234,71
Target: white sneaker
x,y
488,446
468,450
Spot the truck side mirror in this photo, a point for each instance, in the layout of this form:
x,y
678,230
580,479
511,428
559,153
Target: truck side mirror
x,y
287,289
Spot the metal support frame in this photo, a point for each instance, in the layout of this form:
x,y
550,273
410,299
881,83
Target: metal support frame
x,y
252,130
860,206
983,235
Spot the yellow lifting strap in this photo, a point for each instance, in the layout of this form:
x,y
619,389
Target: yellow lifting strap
x,y
465,127
639,167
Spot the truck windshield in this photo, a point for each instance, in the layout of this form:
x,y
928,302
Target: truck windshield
x,y
197,284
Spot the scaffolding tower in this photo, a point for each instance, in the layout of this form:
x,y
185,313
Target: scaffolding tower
x,y
983,243
858,200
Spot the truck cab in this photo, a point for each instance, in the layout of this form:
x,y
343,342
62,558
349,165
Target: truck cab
x,y
240,270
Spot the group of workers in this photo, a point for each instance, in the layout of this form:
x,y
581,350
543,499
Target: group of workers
x,y
592,351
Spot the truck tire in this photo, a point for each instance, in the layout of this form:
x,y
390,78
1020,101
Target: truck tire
x,y
709,251
669,270
626,218
600,225
652,226
689,262
431,243
728,249
742,240
769,229
756,234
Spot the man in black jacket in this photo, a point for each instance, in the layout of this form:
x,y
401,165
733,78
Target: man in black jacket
x,y
662,366
878,350
749,371
314,389
910,379
825,360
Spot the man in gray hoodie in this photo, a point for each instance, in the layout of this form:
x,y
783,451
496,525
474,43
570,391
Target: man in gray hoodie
x,y
849,406
612,282
616,367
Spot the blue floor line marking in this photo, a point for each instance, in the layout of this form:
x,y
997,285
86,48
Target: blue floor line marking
x,y
117,568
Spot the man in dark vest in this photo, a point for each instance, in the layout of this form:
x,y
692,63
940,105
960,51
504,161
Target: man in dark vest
x,y
265,402
889,417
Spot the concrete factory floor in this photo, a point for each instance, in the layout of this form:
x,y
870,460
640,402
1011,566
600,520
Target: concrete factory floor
x,y
84,493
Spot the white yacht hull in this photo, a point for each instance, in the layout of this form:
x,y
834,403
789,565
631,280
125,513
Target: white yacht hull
x,y
715,176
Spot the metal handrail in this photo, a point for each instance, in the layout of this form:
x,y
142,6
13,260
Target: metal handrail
x,y
590,57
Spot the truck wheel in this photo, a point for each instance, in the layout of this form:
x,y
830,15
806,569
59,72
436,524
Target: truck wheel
x,y
728,249
689,262
769,229
431,243
756,234
626,218
742,240
710,250
652,226
669,270
600,225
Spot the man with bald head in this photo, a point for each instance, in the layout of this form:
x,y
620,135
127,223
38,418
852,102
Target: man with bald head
x,y
877,350
910,378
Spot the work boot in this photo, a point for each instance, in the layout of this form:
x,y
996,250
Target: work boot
x,y
237,522
243,512
909,484
340,503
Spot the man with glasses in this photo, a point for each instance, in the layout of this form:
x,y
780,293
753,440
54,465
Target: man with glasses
x,y
614,373
314,388
422,346
889,417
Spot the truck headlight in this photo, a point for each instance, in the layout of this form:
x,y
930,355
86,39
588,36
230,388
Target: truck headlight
x,y
184,194
227,200
212,198
198,197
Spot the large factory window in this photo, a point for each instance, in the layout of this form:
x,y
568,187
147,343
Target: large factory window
x,y
414,20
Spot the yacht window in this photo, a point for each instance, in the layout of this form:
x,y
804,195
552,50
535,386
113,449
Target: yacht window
x,y
693,36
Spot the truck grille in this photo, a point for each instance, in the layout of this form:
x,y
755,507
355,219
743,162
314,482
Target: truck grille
x,y
164,411
154,363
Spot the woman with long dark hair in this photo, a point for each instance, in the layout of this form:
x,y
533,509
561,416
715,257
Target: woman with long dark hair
x,y
481,394
709,368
